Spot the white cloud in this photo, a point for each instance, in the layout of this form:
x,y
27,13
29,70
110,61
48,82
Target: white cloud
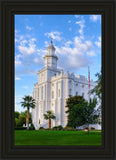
x,y
98,42
81,24
55,35
76,16
17,78
69,21
91,53
26,19
29,28
36,60
16,31
16,40
68,43
72,54
75,54
18,62
27,47
95,18
46,43
25,87
70,29
28,57
41,24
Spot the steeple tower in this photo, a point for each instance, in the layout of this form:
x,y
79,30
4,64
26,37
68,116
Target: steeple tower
x,y
50,58
51,49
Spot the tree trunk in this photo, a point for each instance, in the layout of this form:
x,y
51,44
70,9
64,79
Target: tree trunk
x,y
49,123
27,118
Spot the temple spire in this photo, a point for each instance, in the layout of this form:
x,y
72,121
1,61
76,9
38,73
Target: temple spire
x,y
51,58
51,48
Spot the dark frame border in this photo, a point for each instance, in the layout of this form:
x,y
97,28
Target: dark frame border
x,y
107,10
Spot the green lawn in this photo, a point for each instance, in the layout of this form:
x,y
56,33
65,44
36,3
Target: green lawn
x,y
36,137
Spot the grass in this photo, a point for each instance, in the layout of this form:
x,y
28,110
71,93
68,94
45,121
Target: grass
x,y
36,137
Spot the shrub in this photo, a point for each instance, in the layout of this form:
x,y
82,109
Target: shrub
x,y
92,128
54,128
32,127
67,128
20,128
41,128
86,128
48,129
59,127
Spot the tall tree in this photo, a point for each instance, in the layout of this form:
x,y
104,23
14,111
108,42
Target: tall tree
x,y
74,110
81,112
90,113
21,120
97,89
28,102
17,114
49,116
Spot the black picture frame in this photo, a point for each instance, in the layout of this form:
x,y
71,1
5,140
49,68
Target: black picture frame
x,y
107,10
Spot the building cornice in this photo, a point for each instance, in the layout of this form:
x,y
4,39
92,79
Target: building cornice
x,y
52,56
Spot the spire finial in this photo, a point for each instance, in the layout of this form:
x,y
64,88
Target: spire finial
x,y
51,40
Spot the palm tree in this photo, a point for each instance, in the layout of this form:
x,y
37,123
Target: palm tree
x,y
49,116
28,102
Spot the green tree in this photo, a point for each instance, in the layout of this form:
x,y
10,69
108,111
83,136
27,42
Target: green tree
x,y
28,102
97,89
90,113
16,121
49,116
74,111
25,114
17,114
21,120
81,112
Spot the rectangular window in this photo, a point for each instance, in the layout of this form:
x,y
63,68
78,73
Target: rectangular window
x,y
52,94
83,95
45,91
76,93
59,93
42,93
69,91
69,81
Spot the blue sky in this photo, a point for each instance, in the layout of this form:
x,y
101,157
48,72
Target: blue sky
x,y
77,39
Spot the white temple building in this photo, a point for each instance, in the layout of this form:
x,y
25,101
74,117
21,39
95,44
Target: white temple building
x,y
53,88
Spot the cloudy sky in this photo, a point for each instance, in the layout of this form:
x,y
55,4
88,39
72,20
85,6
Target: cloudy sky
x,y
77,39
